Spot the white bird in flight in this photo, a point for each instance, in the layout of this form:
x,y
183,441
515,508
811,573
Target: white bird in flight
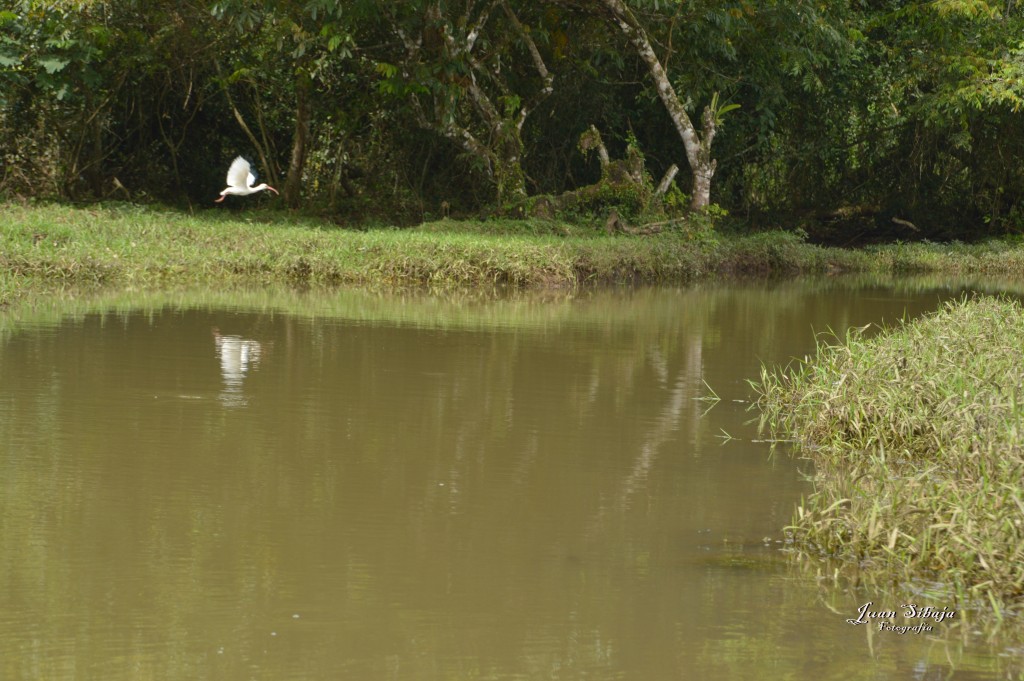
x,y
241,179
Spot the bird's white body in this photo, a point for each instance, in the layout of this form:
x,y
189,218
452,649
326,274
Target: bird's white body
x,y
240,180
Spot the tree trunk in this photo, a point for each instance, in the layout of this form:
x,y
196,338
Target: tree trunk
x,y
698,146
509,174
293,182
95,166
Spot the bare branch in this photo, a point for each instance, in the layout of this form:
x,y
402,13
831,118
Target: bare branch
x,y
260,149
538,63
465,139
474,33
666,181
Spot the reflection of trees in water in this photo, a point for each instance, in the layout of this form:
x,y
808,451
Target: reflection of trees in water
x,y
442,469
680,402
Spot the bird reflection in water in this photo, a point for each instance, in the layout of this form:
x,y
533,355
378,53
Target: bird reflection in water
x,y
237,355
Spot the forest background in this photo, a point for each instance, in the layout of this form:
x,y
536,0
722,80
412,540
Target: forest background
x,y
854,120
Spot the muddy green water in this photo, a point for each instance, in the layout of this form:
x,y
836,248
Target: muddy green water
x,y
352,486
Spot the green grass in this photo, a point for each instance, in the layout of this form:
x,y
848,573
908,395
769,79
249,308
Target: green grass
x,y
49,246
917,435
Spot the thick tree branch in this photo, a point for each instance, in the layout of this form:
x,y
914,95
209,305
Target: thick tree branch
x,y
698,151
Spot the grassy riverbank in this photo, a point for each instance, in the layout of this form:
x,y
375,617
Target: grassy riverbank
x,y
47,246
135,246
917,435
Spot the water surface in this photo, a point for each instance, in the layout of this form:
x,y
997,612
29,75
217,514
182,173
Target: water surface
x,y
350,486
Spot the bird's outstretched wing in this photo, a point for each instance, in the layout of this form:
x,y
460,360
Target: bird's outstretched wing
x,y
239,174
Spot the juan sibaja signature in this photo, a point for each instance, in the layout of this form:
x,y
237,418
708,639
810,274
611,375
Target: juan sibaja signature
x,y
885,618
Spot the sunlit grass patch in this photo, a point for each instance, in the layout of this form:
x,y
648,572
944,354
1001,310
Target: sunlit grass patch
x,y
917,435
43,247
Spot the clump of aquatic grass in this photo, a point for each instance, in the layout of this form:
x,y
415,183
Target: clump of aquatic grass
x,y
917,435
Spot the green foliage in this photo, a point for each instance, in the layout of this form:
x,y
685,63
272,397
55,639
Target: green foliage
x,y
720,109
40,49
905,110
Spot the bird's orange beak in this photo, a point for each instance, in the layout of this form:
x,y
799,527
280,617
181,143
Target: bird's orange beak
x,y
272,189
